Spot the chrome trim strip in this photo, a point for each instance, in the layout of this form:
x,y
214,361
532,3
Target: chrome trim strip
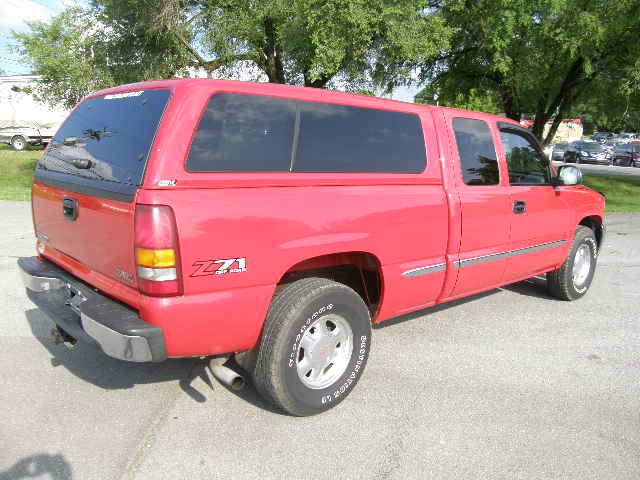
x,y
511,253
416,272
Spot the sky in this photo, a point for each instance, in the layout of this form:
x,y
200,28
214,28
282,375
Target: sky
x,y
15,13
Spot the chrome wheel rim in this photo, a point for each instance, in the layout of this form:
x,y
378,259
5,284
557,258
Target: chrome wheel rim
x,y
18,144
581,265
324,351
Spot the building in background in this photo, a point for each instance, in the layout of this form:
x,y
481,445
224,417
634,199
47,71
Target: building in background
x,y
569,130
24,120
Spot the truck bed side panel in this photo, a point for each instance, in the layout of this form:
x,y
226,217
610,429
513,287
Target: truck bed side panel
x,y
273,229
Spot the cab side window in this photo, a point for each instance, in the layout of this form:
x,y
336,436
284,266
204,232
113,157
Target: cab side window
x,y
527,165
478,159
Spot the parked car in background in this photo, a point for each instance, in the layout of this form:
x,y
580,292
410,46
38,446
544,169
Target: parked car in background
x,y
557,154
626,137
602,136
587,152
627,155
610,146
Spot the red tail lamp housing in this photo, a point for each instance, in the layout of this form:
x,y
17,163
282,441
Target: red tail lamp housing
x,y
156,251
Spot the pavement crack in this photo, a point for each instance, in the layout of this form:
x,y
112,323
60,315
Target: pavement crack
x,y
151,433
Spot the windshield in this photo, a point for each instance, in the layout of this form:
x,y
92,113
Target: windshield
x,y
591,147
107,138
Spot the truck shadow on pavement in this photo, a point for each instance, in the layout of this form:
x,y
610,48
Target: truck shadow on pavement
x,y
533,287
55,467
93,366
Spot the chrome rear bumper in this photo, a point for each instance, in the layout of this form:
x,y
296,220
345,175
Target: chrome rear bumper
x,y
89,316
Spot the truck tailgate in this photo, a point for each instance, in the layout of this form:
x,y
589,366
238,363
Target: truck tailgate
x,y
100,237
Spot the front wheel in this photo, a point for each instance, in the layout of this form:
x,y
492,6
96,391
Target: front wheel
x,y
314,348
572,280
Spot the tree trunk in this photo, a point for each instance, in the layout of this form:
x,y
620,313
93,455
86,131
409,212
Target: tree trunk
x,y
540,119
565,107
510,103
272,51
320,82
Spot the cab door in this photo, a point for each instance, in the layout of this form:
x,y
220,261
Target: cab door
x,y
541,229
485,203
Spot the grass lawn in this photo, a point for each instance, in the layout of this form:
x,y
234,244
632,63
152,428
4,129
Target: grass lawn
x,y
16,170
622,193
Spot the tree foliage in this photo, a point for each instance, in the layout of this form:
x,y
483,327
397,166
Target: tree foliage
x,y
351,44
535,56
65,57
76,53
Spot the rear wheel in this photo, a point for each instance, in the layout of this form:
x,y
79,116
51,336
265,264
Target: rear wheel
x,y
314,348
572,280
19,143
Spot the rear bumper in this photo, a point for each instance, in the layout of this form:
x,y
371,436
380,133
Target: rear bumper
x,y
89,316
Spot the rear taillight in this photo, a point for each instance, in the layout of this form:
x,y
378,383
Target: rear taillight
x,y
156,251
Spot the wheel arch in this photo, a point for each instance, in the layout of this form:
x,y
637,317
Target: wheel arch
x,y
595,223
359,270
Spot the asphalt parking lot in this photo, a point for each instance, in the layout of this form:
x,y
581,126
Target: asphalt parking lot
x,y
510,384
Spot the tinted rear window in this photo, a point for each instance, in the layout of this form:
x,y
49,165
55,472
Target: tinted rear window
x,y
478,159
246,133
243,133
335,138
110,136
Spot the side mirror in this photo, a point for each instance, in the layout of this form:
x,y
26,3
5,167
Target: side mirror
x,y
569,175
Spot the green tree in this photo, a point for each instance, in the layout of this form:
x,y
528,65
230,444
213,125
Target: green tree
x,y
351,44
76,53
64,56
534,56
612,103
302,42
469,99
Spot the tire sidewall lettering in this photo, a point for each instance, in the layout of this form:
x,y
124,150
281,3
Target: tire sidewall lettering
x,y
329,396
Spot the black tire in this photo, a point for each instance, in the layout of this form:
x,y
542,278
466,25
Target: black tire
x,y
291,314
560,282
19,143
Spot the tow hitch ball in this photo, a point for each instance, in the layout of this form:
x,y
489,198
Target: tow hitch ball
x,y
59,336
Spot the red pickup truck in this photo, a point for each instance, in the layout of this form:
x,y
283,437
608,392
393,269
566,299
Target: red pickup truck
x,y
276,224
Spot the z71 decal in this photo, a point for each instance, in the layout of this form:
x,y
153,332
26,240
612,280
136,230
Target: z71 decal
x,y
219,267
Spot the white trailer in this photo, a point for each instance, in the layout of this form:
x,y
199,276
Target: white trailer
x,y
25,121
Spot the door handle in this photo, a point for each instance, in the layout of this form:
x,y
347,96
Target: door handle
x,y
519,207
70,208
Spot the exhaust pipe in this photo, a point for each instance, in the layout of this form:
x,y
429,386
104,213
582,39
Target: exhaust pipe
x,y
59,336
228,377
